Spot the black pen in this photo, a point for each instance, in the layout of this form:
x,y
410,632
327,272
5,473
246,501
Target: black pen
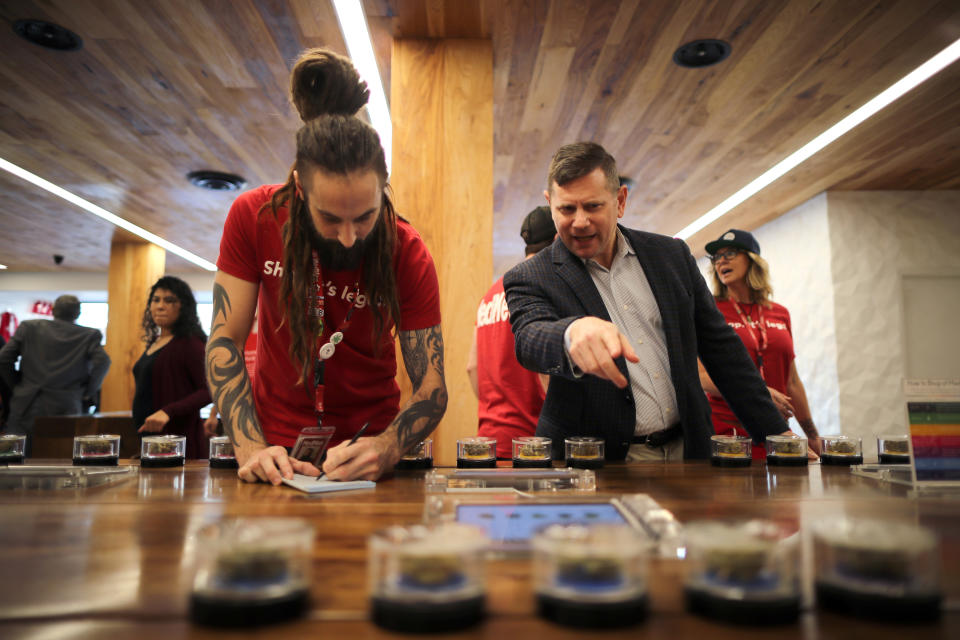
x,y
355,437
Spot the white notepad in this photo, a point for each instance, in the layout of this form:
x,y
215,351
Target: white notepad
x,y
310,484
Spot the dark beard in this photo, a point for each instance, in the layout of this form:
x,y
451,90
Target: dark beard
x,y
335,257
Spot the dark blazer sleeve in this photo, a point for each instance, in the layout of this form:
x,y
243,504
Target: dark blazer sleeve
x,y
8,357
536,323
189,361
99,363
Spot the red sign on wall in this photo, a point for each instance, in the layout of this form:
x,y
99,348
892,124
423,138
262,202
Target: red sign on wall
x,y
42,308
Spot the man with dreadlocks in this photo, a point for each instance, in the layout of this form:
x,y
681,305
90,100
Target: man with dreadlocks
x,y
332,271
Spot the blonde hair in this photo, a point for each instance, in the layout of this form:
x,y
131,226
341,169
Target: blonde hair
x,y
758,281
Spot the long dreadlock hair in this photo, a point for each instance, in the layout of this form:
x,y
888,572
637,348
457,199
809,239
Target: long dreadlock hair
x,y
327,91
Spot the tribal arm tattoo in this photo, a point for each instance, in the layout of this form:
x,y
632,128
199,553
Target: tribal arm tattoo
x,y
228,380
422,352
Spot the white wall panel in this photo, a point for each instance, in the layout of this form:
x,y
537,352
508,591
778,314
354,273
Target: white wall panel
x,y
877,238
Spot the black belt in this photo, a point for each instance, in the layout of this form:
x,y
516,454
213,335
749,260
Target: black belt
x,y
658,438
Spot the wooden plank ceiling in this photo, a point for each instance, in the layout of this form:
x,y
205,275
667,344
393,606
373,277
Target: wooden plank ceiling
x,y
166,87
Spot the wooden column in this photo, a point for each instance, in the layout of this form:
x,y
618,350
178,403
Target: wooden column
x,y
442,178
134,267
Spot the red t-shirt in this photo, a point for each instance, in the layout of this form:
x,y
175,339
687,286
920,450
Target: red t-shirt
x,y
510,396
360,382
777,358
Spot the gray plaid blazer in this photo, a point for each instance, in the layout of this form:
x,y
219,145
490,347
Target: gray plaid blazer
x,y
549,291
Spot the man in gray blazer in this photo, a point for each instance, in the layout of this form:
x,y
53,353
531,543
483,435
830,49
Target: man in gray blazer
x,y
60,364
618,318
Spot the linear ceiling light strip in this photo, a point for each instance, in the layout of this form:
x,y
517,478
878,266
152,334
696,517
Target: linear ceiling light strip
x,y
106,215
925,71
353,25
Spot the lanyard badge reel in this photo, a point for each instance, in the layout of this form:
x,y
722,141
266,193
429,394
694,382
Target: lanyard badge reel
x,y
312,442
311,445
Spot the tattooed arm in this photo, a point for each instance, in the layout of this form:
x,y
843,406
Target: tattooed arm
x,y
371,457
423,357
234,302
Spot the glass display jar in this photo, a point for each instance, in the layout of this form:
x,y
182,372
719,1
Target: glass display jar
x,y
840,450
877,569
221,453
162,451
12,447
730,451
477,453
419,457
99,450
787,451
742,572
427,578
251,571
532,452
585,452
590,576
894,449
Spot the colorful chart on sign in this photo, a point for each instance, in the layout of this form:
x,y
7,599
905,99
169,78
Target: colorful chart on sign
x,y
935,437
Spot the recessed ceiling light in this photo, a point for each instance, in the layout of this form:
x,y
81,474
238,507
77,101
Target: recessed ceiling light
x,y
48,35
216,180
701,53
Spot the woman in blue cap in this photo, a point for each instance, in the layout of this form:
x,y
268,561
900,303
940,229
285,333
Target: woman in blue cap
x,y
741,286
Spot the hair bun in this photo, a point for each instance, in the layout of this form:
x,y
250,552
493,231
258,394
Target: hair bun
x,y
325,83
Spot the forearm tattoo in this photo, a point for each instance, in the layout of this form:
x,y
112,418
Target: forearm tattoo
x,y
420,418
414,355
421,349
228,379
422,352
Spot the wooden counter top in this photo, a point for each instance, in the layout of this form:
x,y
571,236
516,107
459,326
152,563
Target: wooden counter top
x,y
115,560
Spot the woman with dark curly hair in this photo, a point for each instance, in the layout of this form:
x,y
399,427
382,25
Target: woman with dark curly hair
x,y
170,383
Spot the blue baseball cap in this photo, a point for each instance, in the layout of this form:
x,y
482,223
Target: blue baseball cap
x,y
736,238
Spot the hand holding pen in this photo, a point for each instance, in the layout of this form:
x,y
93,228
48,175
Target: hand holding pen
x,y
355,437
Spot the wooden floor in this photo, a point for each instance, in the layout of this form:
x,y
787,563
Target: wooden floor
x,y
115,561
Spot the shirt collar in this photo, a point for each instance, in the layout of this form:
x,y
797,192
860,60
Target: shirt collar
x,y
621,251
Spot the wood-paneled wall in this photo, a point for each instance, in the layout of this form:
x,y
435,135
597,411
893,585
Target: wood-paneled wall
x,y
442,109
134,267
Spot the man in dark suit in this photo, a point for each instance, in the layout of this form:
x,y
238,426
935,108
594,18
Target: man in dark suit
x,y
60,364
5,393
617,318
